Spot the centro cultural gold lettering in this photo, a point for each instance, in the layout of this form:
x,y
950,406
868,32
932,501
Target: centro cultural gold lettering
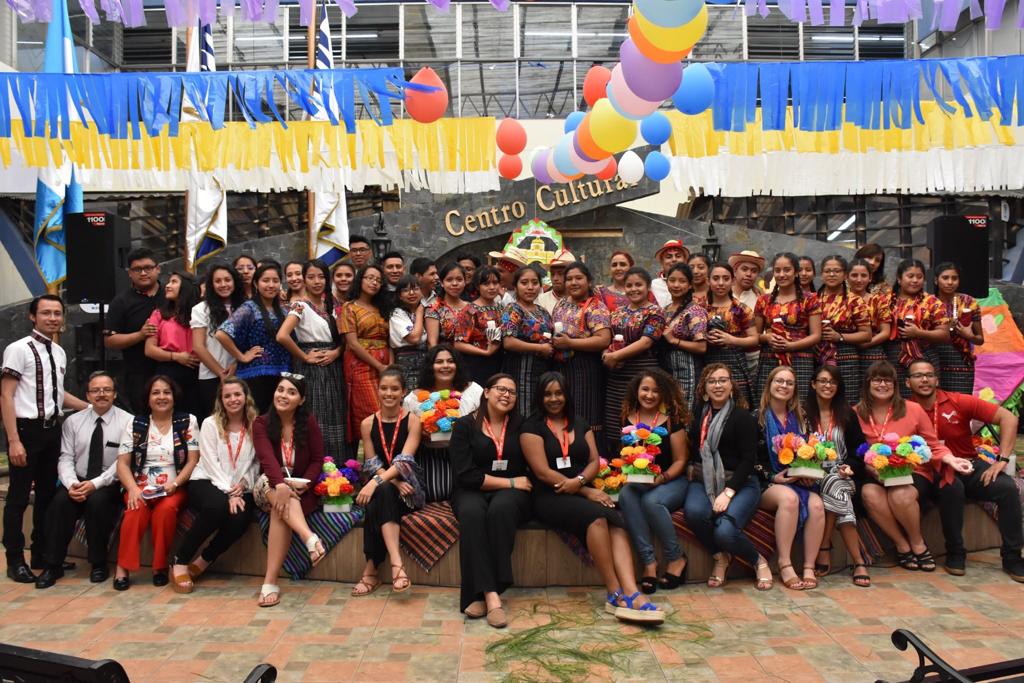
x,y
448,223
541,199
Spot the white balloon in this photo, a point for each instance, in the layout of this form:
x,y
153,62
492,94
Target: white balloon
x,y
631,167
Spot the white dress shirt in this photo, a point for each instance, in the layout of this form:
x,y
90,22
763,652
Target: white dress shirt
x,y
215,458
75,438
548,299
399,326
29,361
659,288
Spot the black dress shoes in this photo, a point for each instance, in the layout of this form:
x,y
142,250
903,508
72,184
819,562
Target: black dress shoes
x,y
122,584
49,577
160,579
99,573
66,566
20,573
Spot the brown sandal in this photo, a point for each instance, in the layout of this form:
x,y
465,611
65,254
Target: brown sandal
x,y
793,584
183,584
371,585
397,576
194,571
809,583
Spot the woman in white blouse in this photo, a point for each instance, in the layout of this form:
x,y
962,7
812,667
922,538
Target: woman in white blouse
x,y
223,293
316,348
220,492
407,333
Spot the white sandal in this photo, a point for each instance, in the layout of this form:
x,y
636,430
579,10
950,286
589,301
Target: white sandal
x,y
266,590
315,554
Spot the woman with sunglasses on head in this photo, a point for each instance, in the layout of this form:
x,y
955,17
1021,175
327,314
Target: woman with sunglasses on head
x,y
957,358
222,295
526,335
442,315
310,333
390,439
245,266
830,418
614,294
492,498
700,267
724,490
844,323
171,346
562,454
877,305
919,322
290,450
683,345
250,336
795,502
478,326
731,331
407,332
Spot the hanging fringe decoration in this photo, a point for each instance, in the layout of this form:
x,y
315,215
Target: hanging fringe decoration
x,y
945,14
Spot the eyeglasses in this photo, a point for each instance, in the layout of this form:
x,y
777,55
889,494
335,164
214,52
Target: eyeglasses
x,y
246,269
138,270
371,278
882,381
784,382
292,375
718,381
359,250
826,382
503,391
923,375
101,390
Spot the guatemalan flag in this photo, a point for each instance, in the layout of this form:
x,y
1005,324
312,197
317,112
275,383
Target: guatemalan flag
x,y
57,191
328,231
206,231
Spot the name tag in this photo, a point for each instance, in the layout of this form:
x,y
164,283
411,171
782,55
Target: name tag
x,y
563,463
499,465
113,444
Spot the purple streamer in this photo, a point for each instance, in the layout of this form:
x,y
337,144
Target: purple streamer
x,y
89,8
1020,15
348,7
270,11
133,13
501,5
176,15
975,9
817,12
836,13
305,12
994,13
208,11
440,4
950,15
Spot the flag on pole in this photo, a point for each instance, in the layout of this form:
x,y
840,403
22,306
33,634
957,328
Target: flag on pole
x,y
328,231
206,232
57,191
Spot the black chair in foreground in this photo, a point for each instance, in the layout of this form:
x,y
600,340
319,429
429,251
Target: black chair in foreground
x,y
25,665
932,669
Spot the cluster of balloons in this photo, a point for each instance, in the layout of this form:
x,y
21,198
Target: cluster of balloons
x,y
511,139
625,99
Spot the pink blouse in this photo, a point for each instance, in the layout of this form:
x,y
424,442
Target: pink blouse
x,y
170,334
916,421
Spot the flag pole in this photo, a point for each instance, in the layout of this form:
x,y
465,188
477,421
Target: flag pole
x,y
190,266
310,195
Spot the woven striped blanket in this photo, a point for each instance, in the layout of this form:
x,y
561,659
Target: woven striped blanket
x,y
331,527
428,533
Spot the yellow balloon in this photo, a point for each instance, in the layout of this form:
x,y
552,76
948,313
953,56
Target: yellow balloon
x,y
611,131
673,39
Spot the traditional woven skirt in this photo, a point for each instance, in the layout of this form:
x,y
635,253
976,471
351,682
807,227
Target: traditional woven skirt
x,y
585,373
325,398
436,467
481,368
410,359
615,395
848,362
362,388
955,373
525,368
685,368
803,368
736,360
869,356
837,495
892,354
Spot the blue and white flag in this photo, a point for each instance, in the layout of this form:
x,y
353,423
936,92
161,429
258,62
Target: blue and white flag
x,y
57,191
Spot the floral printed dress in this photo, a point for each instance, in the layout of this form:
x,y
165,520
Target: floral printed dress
x,y
533,326
632,324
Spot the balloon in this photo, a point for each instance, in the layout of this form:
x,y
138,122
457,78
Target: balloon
x,y
578,149
631,167
563,161
609,171
696,92
647,49
426,107
572,121
668,13
611,131
656,129
511,137
657,166
594,84
585,166
539,166
648,79
510,166
681,37
625,102
586,143
556,175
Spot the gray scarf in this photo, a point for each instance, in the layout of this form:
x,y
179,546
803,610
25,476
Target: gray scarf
x,y
711,461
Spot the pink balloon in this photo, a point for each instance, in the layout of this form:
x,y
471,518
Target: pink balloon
x,y
586,166
625,101
577,150
539,166
553,171
648,79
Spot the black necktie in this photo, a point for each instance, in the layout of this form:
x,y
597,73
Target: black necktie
x,y
95,467
53,378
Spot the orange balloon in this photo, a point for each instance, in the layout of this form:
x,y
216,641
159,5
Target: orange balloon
x,y
609,171
510,166
587,144
511,137
594,84
426,107
648,50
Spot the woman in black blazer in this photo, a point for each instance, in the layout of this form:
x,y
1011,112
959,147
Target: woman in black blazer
x,y
491,498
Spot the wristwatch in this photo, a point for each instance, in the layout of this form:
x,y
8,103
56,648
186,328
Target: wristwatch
x,y
729,493
1004,458
583,480
376,478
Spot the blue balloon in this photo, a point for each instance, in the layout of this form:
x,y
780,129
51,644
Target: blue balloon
x,y
563,162
657,166
573,121
669,13
656,128
697,90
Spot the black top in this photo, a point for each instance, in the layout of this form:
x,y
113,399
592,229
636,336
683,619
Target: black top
x,y
737,447
663,459
473,453
579,451
128,312
389,434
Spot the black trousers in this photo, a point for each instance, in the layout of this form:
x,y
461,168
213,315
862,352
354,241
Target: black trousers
x,y
101,511
950,501
385,506
208,389
1003,492
42,448
262,389
487,533
210,505
133,389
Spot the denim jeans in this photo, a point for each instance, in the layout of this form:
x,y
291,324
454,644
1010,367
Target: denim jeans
x,y
723,532
648,508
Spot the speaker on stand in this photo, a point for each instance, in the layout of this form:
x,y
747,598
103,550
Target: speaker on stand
x,y
963,240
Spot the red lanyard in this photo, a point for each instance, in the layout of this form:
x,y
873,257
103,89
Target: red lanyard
x,y
885,423
389,450
233,457
288,454
827,434
564,441
705,423
499,443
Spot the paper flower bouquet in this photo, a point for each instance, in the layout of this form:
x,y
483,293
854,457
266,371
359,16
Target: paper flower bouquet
x,y
805,458
640,448
336,485
438,412
986,448
610,478
895,457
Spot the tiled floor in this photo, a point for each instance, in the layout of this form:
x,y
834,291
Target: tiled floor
x,y
319,633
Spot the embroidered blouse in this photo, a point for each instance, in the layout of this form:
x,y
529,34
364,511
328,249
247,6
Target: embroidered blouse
x,y
926,311
736,316
528,326
367,323
447,318
795,314
245,327
965,311
847,312
878,304
688,324
579,321
636,323
611,298
471,323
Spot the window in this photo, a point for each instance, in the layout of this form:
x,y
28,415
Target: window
x,y
723,41
487,33
429,32
772,39
545,89
488,89
825,43
260,43
546,32
149,44
372,34
600,30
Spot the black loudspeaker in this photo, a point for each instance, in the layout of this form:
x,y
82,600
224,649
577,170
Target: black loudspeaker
x,y
97,246
964,241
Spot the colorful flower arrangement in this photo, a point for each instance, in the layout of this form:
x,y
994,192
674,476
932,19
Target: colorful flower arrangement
x,y
610,478
336,485
438,412
895,457
804,458
639,451
986,448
